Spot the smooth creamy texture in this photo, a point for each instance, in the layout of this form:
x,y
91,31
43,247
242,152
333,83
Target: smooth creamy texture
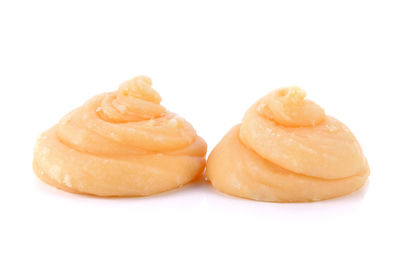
x,y
288,150
122,143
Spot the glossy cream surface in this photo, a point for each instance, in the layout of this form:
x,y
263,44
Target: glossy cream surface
x,y
122,143
288,150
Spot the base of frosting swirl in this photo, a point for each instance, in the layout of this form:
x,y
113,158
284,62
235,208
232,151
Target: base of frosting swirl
x,y
71,170
237,170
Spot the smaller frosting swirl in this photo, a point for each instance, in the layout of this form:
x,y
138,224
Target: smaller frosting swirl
x,y
288,150
117,130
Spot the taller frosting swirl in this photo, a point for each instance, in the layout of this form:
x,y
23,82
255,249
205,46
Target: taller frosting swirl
x,y
316,155
128,125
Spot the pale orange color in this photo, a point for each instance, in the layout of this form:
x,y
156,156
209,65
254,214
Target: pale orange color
x,y
122,143
287,150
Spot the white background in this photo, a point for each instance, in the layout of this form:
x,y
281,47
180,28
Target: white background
x,y
209,60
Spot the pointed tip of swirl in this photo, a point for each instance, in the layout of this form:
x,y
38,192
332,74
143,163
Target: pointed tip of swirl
x,y
288,106
294,94
140,87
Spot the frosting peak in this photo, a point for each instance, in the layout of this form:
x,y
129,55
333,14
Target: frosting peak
x,y
288,107
140,87
135,100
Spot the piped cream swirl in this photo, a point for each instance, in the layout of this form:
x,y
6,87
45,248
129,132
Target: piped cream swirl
x,y
288,149
121,143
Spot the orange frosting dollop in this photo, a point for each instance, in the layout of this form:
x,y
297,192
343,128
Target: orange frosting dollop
x,y
288,150
122,143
